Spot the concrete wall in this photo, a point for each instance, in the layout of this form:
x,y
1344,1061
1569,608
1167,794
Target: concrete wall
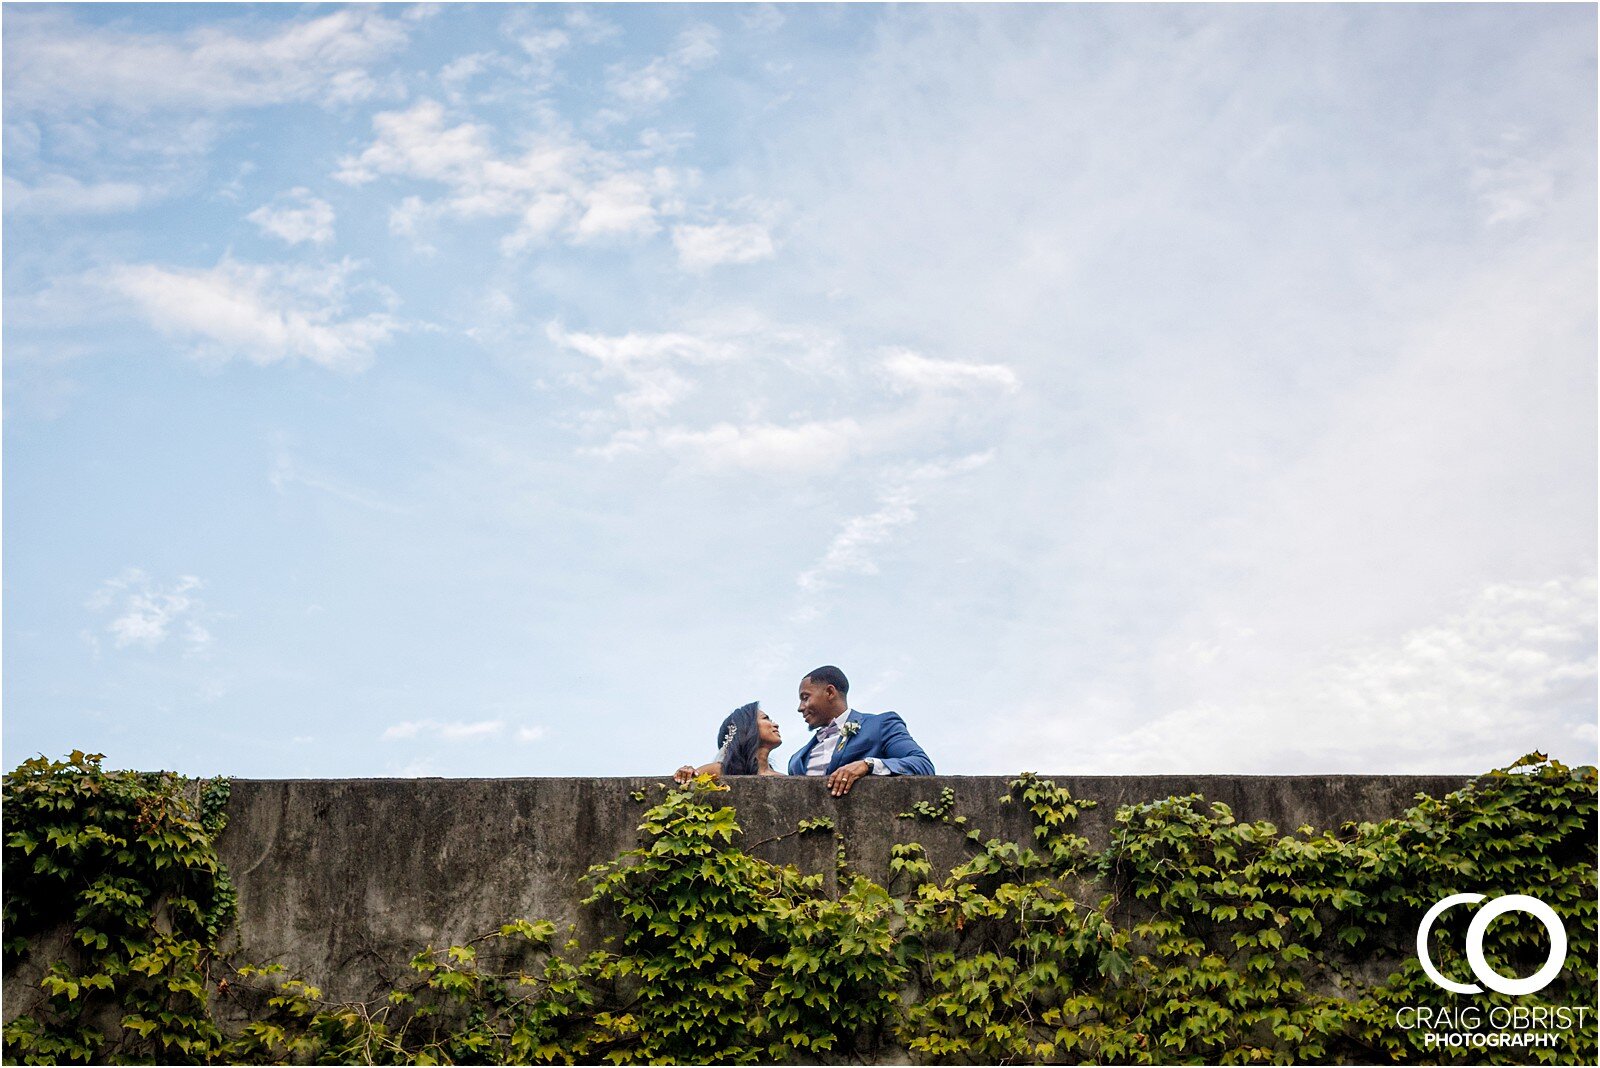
x,y
343,881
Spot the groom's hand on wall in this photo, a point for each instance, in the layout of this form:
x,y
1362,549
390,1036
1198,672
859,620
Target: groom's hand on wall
x,y
840,781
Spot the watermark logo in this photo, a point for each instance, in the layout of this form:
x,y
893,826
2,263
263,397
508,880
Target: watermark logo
x,y
1475,932
1480,1026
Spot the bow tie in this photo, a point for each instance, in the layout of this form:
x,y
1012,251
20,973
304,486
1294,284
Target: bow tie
x,y
829,731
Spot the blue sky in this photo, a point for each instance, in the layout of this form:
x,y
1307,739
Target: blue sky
x,y
514,390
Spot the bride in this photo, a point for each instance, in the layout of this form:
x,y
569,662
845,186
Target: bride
x,y
744,742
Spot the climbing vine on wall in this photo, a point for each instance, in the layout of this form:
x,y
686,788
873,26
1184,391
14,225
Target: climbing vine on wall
x,y
113,876
1195,936
1192,937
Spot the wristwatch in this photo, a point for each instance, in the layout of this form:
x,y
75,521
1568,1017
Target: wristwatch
x,y
874,765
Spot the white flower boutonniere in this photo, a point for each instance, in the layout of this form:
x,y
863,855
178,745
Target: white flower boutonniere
x,y
848,730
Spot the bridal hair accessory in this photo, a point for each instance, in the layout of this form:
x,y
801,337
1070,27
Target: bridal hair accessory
x,y
727,739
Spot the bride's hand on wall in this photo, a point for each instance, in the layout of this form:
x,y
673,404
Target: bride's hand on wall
x,y
689,771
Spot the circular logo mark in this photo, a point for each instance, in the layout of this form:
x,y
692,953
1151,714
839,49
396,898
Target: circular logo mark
x,y
1475,932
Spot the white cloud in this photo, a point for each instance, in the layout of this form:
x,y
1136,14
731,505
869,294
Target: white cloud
x,y
452,732
261,312
233,189
21,138
648,363
770,375
851,548
702,247
55,62
416,142
543,46
793,448
407,218
1514,190
558,186
617,205
799,448
589,27
909,371
463,69
146,613
660,372
621,352
539,219
658,80
296,216
444,730
1512,671
527,735
762,18
855,547
61,194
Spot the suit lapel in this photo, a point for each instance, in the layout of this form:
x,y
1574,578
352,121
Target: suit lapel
x,y
844,742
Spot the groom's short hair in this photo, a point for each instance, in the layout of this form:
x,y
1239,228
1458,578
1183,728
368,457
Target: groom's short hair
x,y
830,676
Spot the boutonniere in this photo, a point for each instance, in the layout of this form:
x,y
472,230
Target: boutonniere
x,y
848,731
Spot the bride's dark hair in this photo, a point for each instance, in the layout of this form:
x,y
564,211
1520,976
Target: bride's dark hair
x,y
738,739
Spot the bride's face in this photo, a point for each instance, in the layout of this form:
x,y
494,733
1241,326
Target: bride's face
x,y
770,735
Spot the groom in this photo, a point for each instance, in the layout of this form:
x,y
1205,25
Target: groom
x,y
848,745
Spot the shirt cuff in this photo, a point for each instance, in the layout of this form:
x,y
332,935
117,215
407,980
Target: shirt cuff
x,y
878,766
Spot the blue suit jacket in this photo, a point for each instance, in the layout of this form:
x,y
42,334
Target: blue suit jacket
x,y
883,736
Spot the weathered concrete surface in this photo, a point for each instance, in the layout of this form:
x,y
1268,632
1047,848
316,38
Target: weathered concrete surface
x,y
343,880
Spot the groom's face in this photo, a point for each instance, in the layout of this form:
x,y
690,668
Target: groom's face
x,y
818,704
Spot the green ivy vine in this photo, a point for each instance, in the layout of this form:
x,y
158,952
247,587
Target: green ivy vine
x,y
1197,937
116,872
1192,937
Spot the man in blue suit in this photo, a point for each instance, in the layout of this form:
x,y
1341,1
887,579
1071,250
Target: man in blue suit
x,y
848,745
